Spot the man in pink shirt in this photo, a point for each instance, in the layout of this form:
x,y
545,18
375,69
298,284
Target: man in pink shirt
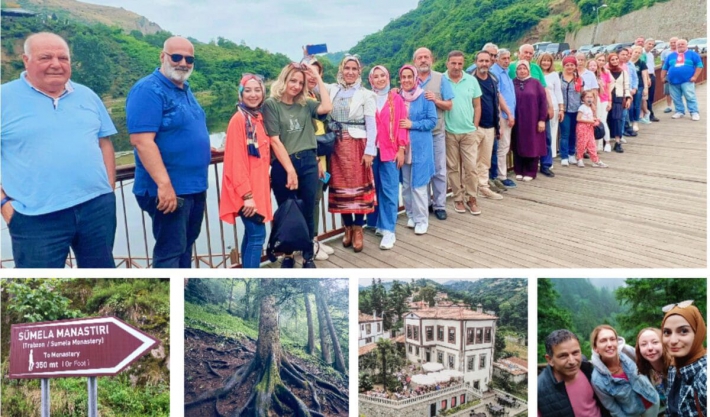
x,y
564,388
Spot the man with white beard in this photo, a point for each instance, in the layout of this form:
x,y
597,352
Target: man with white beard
x,y
172,147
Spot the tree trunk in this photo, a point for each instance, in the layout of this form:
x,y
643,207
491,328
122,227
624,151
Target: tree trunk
x,y
310,347
268,345
231,292
339,364
323,330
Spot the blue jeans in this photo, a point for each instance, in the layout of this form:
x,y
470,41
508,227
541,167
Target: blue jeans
x,y
175,233
568,135
387,186
306,166
546,161
89,229
252,243
493,172
635,113
687,90
350,219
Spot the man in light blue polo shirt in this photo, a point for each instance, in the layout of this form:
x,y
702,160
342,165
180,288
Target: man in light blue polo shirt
x,y
58,166
462,139
168,129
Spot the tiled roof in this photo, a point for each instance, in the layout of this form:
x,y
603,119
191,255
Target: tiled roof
x,y
364,350
452,313
365,318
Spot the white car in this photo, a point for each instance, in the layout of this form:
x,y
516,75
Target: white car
x,y
699,45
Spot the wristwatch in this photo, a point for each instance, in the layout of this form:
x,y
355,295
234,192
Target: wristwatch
x,y
4,201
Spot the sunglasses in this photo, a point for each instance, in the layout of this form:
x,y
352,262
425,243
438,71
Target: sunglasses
x,y
176,58
248,75
682,304
299,66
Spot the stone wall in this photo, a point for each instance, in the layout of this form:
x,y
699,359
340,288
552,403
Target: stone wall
x,y
378,410
682,18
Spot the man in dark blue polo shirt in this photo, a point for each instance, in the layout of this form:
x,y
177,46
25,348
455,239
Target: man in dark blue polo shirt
x,y
169,132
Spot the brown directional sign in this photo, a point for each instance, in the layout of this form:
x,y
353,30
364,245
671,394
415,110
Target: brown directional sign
x,y
83,347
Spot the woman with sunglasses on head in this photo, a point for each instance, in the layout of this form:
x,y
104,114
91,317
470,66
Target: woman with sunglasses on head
x,y
288,118
418,167
245,180
653,360
616,380
352,183
552,79
684,332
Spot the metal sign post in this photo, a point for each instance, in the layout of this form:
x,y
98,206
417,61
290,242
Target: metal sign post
x,y
45,397
93,402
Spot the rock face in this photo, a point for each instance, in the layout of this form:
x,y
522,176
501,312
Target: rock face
x,y
681,18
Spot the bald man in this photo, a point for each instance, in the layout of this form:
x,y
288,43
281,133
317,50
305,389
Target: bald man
x,y
172,147
58,166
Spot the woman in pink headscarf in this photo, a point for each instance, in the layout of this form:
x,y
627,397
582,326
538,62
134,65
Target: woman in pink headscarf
x,y
392,140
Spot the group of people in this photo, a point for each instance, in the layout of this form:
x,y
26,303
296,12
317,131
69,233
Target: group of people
x,y
665,374
433,131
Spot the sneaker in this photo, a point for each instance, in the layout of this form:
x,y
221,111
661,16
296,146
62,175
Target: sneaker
x,y
623,140
572,159
309,264
580,163
600,164
287,263
379,232
695,117
654,119
667,110
644,120
527,179
459,207
493,187
501,186
509,183
635,127
440,214
607,148
327,249
320,254
388,240
518,177
565,162
421,229
487,193
410,223
473,207
678,115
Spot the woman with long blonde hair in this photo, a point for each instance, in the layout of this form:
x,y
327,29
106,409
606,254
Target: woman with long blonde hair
x,y
653,360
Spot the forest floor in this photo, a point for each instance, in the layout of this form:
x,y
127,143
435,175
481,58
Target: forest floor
x,y
210,359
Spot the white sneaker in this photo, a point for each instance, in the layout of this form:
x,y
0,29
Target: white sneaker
x,y
599,164
645,120
623,139
421,228
518,177
488,193
572,159
635,127
695,117
388,239
607,148
526,178
565,163
327,249
320,254
410,223
379,232
678,115
580,163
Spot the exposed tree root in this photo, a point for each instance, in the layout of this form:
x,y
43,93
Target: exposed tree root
x,y
212,371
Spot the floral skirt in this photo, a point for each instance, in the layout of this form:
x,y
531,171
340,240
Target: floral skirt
x,y
352,186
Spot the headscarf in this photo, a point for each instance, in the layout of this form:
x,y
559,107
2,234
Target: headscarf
x,y
412,95
613,68
695,319
341,79
251,113
569,59
524,63
384,91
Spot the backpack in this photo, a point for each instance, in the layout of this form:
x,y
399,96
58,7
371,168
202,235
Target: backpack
x,y
289,231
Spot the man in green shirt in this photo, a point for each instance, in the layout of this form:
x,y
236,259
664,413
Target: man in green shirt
x,y
462,136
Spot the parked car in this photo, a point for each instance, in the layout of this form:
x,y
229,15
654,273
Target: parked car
x,y
660,47
597,49
616,47
699,45
556,49
587,49
540,46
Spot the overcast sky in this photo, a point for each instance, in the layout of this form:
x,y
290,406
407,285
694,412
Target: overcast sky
x,y
276,25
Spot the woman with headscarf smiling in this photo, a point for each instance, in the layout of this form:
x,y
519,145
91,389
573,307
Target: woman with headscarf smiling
x,y
352,184
620,96
246,191
684,332
528,136
392,140
418,165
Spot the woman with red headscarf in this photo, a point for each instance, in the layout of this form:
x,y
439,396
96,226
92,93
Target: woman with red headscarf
x,y
246,191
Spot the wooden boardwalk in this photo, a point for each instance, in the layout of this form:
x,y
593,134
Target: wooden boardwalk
x,y
648,210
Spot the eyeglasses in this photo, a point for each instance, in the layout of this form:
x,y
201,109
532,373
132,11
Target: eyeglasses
x,y
682,304
179,57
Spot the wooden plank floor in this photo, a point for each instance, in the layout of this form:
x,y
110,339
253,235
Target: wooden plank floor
x,y
648,210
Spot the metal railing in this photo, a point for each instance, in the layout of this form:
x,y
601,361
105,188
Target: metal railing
x,y
394,403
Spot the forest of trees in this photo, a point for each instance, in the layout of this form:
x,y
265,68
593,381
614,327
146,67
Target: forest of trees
x,y
293,334
577,305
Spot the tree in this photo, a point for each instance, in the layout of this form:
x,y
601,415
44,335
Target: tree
x,y
339,364
310,346
325,345
499,348
549,316
427,294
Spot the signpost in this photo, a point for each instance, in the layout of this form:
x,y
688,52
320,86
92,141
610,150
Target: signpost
x,y
100,346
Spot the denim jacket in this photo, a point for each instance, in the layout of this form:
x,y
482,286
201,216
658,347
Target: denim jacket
x,y
619,396
695,379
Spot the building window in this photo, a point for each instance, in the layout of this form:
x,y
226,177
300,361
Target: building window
x,y
379,327
417,353
440,333
409,331
487,338
453,402
476,385
451,361
482,362
471,363
409,348
368,340
440,357
443,404
463,399
469,336
452,334
368,328
416,332
429,333
479,335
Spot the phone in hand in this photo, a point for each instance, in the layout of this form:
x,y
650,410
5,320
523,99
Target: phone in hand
x,y
255,218
316,49
326,177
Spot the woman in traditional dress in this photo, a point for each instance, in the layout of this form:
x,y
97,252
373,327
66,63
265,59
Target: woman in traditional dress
x,y
529,142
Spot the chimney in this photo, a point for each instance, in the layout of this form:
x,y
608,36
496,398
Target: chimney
x,y
479,308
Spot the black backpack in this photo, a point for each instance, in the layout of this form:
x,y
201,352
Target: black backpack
x,y
289,231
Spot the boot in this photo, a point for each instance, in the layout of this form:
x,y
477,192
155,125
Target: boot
x,y
357,238
348,238
618,148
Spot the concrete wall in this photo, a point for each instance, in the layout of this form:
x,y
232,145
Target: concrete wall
x,y
682,18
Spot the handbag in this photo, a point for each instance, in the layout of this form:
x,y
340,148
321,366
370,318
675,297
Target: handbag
x,y
599,131
326,144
